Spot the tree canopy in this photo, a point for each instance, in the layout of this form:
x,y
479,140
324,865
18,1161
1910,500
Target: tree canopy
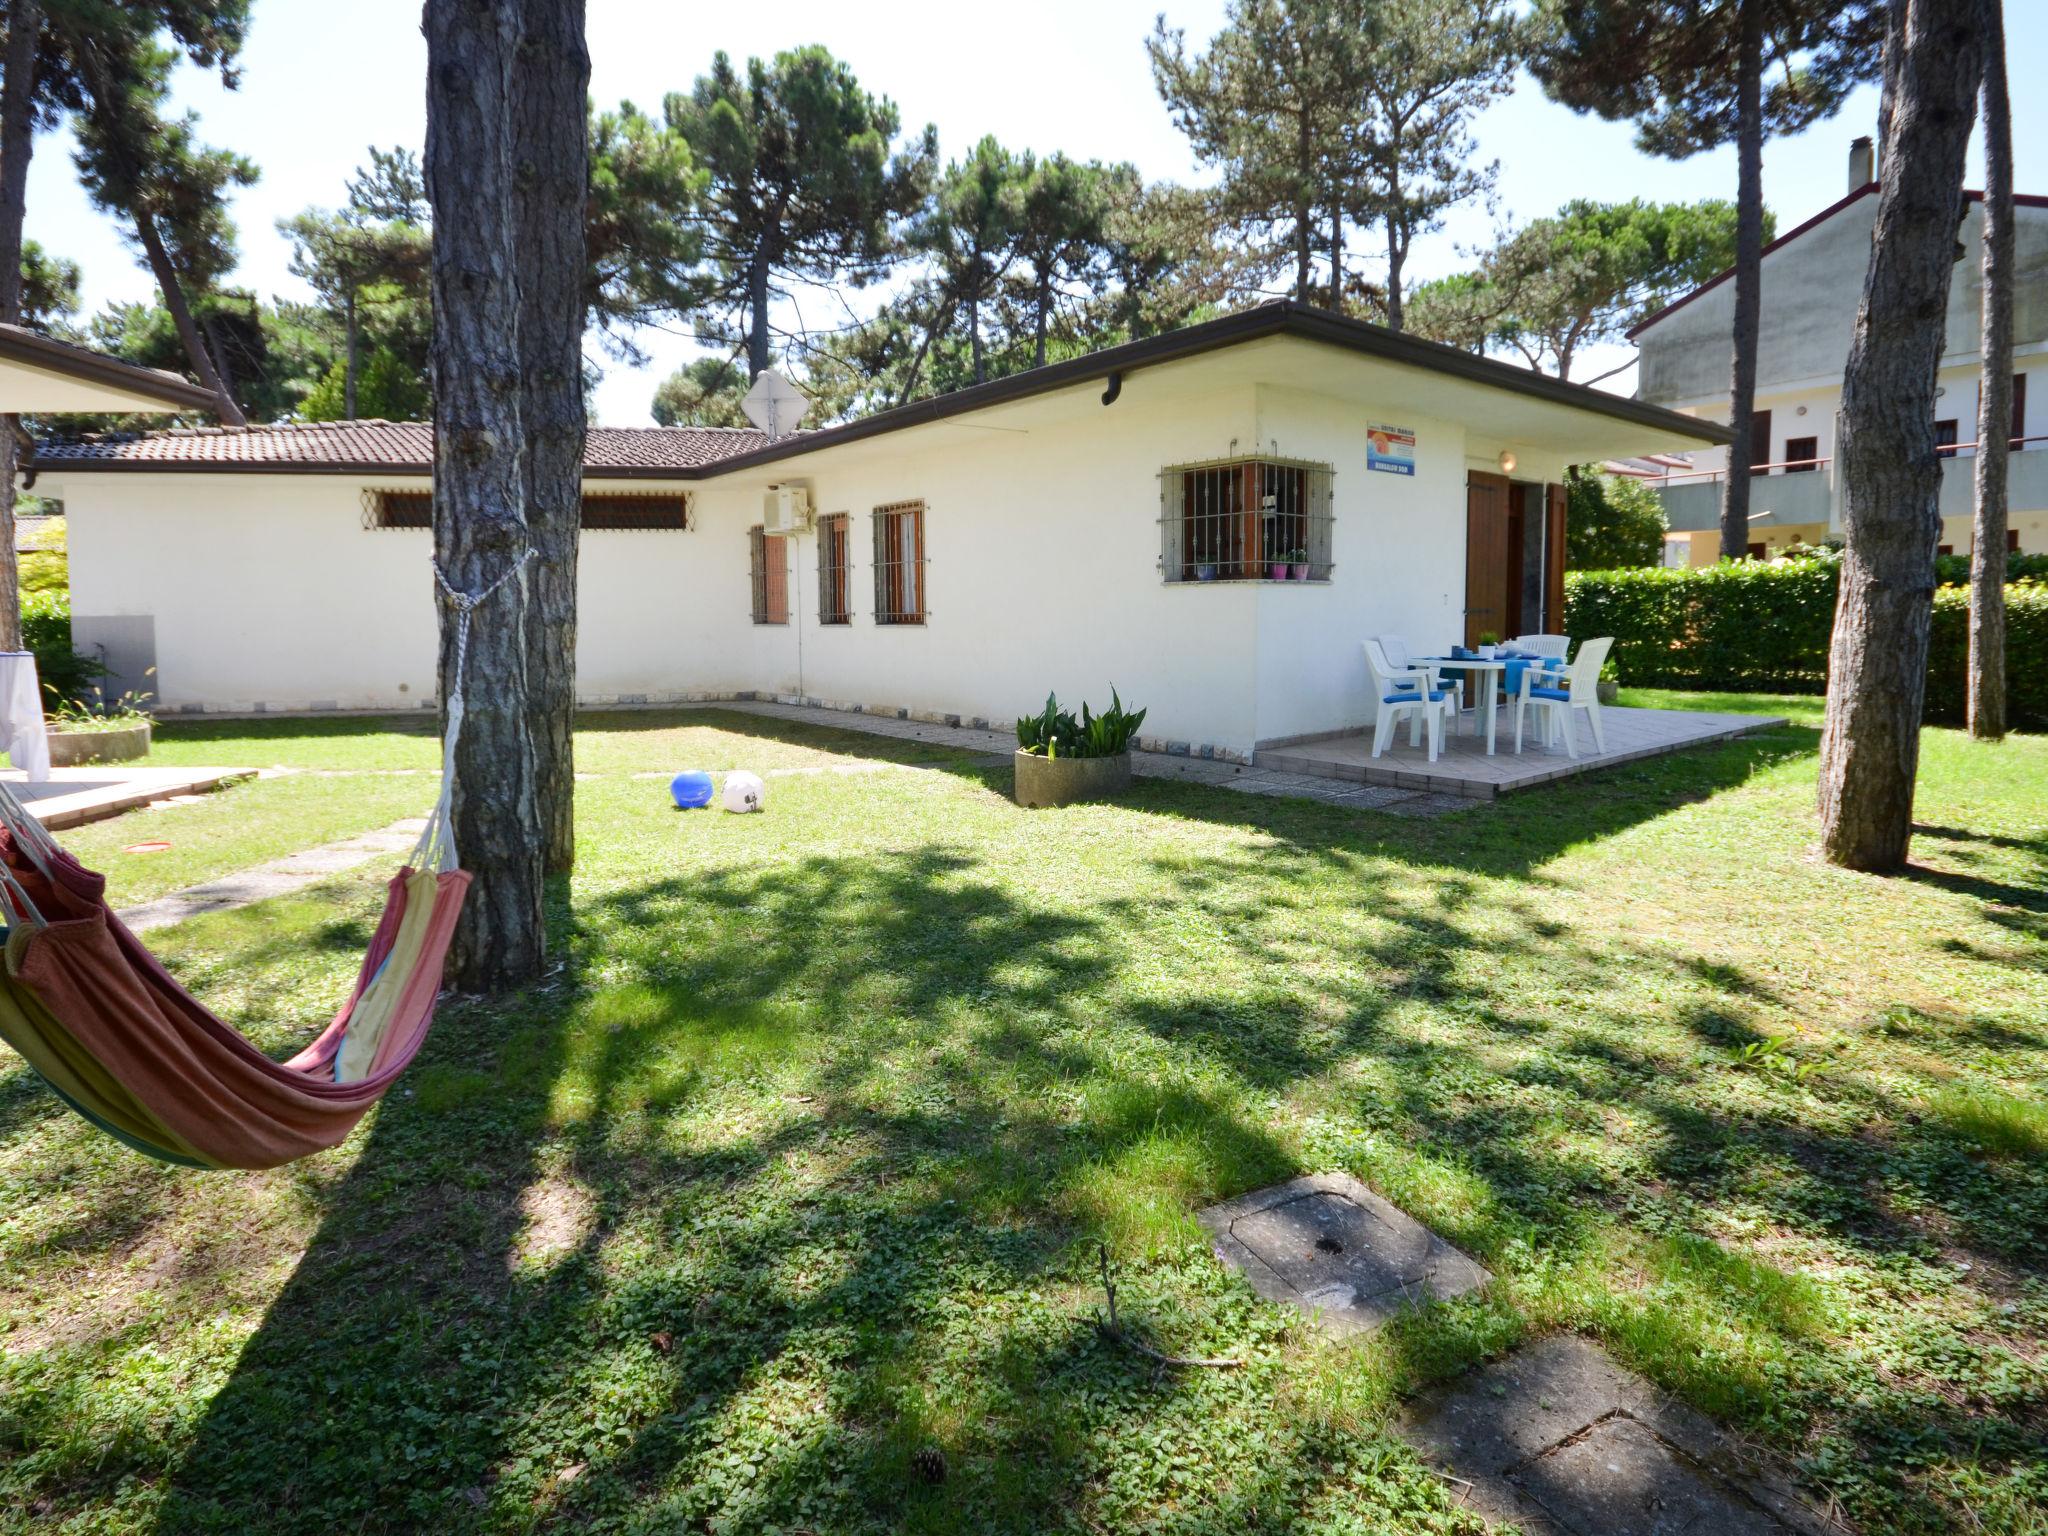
x,y
1584,276
1611,522
805,182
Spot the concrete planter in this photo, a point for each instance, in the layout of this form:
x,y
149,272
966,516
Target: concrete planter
x,y
1049,781
68,749
1607,690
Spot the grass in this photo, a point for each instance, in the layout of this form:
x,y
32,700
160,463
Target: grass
x,y
797,1170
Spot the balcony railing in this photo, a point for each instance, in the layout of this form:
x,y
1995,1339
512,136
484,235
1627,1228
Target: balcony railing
x,y
1800,492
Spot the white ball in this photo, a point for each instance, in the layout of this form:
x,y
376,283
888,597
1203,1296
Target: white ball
x,y
744,791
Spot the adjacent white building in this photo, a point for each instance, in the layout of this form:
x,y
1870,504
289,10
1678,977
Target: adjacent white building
x,y
1812,286
1210,520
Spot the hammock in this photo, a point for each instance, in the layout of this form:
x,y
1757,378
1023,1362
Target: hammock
x,y
119,1040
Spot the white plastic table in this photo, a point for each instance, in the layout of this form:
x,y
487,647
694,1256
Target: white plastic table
x,y
1472,664
21,715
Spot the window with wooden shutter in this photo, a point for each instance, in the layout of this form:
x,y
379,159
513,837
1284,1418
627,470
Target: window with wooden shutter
x,y
660,511
835,566
899,563
770,572
398,509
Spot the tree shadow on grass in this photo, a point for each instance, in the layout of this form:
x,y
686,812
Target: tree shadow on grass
x,y
732,1229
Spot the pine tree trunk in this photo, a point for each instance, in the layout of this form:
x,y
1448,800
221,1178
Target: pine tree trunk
x,y
551,79
349,365
480,526
1337,259
1043,318
173,292
17,145
1877,664
1397,257
757,314
974,330
1749,257
1986,703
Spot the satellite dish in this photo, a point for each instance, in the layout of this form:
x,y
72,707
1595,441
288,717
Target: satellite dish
x,y
774,404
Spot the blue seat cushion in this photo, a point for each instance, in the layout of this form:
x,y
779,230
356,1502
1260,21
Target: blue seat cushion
x,y
1407,687
1562,695
1435,697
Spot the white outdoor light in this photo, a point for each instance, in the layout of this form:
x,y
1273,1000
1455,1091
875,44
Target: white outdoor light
x,y
1507,461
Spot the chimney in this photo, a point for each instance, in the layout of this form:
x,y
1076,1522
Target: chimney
x,y
1862,162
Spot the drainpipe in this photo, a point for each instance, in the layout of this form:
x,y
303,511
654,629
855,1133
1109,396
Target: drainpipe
x,y
1115,387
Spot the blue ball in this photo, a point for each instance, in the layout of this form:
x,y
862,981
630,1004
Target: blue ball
x,y
691,789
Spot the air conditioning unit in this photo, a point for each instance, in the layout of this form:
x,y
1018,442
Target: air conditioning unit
x,y
787,509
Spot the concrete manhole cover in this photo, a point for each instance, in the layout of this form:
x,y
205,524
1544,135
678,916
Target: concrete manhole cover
x,y
1560,1439
1327,1244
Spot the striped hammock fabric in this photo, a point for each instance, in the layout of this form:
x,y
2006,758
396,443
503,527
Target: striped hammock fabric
x,y
119,1040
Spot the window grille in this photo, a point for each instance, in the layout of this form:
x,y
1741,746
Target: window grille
x,y
1245,519
899,563
398,509
835,566
651,511
664,510
770,572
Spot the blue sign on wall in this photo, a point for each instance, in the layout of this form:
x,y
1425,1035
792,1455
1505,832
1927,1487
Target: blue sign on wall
x,y
1390,450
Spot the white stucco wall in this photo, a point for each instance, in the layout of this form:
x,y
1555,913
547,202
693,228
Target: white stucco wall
x,y
1042,537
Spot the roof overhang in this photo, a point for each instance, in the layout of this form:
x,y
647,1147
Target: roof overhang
x,y
1292,346
39,375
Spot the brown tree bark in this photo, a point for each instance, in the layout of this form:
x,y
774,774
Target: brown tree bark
x,y
551,83
173,291
1877,664
1985,708
480,524
17,145
1749,257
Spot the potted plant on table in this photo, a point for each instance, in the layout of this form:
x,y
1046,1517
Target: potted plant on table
x,y
1489,642
111,733
1061,760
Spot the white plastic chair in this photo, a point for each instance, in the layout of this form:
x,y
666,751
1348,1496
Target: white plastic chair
x,y
1580,690
1402,661
1411,691
1549,647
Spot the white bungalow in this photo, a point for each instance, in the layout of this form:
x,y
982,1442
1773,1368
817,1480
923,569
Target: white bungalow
x,y
1211,520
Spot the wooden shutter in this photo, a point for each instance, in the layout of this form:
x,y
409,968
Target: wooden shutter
x,y
775,579
2019,408
1554,503
1486,554
1759,439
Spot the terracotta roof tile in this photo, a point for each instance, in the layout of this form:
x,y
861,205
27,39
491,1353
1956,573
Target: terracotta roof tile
x,y
389,446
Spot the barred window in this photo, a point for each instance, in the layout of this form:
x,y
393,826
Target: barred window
x,y
653,511
398,509
1245,520
835,564
770,573
662,510
899,563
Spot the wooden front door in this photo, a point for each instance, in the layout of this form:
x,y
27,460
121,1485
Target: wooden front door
x,y
1486,555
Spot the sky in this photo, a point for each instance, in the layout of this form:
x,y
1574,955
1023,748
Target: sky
x,y
321,81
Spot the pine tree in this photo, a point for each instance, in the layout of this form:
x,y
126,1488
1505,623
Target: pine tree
x,y
1692,77
1985,706
805,181
1891,474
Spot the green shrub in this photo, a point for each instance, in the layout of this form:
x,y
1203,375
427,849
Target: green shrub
x,y
1954,570
1612,522
67,677
1764,626
1056,733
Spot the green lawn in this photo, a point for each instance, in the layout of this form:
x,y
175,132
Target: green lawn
x,y
799,1167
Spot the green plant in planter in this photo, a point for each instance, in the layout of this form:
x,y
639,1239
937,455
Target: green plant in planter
x,y
1488,637
1054,732
123,714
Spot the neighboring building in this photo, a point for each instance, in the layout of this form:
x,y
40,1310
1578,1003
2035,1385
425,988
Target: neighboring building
x,y
1812,287
1112,519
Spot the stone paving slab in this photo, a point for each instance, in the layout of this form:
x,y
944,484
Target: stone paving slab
x,y
994,748
1559,1439
71,797
280,877
1329,1246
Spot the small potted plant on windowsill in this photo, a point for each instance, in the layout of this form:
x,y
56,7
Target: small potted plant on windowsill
x,y
1205,572
1298,565
1276,570
1061,760
113,733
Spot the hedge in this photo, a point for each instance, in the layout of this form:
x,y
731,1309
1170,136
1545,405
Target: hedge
x,y
1765,625
46,630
